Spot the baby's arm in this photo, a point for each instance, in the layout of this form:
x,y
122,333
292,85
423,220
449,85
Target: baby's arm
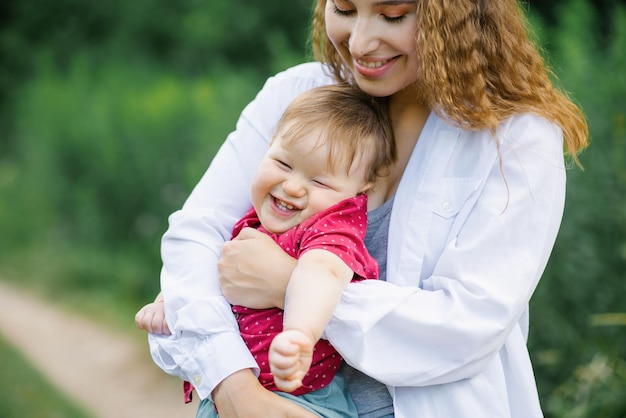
x,y
313,293
151,317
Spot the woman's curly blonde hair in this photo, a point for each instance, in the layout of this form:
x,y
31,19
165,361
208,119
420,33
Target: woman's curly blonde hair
x,y
478,66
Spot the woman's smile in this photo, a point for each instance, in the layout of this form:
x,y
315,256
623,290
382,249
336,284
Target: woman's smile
x,y
376,41
373,68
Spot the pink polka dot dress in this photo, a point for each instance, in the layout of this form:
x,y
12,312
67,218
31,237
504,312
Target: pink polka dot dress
x,y
340,230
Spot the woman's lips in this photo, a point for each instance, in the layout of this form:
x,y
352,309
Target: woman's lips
x,y
373,67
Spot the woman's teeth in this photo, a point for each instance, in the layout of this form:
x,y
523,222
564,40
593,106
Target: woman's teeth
x,y
374,64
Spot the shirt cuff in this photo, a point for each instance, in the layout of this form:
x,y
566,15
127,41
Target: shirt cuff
x,y
202,360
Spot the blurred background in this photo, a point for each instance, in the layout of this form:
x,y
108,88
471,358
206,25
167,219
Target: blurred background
x,y
111,111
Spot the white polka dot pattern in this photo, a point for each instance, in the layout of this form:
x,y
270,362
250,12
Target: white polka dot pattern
x,y
340,230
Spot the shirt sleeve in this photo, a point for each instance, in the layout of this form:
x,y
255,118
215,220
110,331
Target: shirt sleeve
x,y
453,323
205,346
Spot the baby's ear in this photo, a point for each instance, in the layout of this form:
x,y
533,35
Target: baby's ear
x,y
366,187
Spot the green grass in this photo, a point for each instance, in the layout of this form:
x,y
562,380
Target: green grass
x,y
26,393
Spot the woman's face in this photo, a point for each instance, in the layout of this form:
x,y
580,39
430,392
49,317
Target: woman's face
x,y
376,40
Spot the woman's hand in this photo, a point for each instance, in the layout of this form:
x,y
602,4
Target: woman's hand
x,y
254,271
241,395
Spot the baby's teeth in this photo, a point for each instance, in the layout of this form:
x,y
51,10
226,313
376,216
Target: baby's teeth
x,y
285,205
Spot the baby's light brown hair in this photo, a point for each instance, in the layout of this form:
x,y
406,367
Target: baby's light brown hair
x,y
354,126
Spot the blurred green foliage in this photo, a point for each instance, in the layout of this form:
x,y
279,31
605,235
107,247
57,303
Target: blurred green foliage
x,y
578,324
103,153
110,112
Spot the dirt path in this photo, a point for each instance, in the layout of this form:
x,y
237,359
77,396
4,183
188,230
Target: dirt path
x,y
109,375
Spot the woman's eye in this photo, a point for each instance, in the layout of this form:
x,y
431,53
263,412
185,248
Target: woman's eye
x,y
394,19
342,12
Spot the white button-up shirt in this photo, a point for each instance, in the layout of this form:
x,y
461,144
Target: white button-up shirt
x,y
471,230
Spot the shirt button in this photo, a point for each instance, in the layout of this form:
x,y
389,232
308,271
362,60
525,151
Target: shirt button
x,y
197,380
446,206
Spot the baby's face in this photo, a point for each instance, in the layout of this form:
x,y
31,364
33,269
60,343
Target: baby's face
x,y
295,181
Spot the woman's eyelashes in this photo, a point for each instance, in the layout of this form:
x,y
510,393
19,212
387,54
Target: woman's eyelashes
x,y
394,19
342,12
348,12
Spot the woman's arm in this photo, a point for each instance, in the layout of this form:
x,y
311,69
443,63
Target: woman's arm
x,y
242,396
453,323
205,346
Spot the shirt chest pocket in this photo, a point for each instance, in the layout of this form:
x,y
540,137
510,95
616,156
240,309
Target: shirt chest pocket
x,y
452,195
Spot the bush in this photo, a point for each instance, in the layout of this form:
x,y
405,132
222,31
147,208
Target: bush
x,y
105,152
580,359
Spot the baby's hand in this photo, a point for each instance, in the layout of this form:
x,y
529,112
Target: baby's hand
x,y
151,318
290,358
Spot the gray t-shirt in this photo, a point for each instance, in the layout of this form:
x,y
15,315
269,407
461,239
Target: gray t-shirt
x,y
371,397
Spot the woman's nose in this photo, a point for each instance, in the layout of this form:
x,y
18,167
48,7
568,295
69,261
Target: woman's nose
x,y
364,37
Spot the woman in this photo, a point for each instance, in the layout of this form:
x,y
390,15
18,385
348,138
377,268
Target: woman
x,y
477,194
